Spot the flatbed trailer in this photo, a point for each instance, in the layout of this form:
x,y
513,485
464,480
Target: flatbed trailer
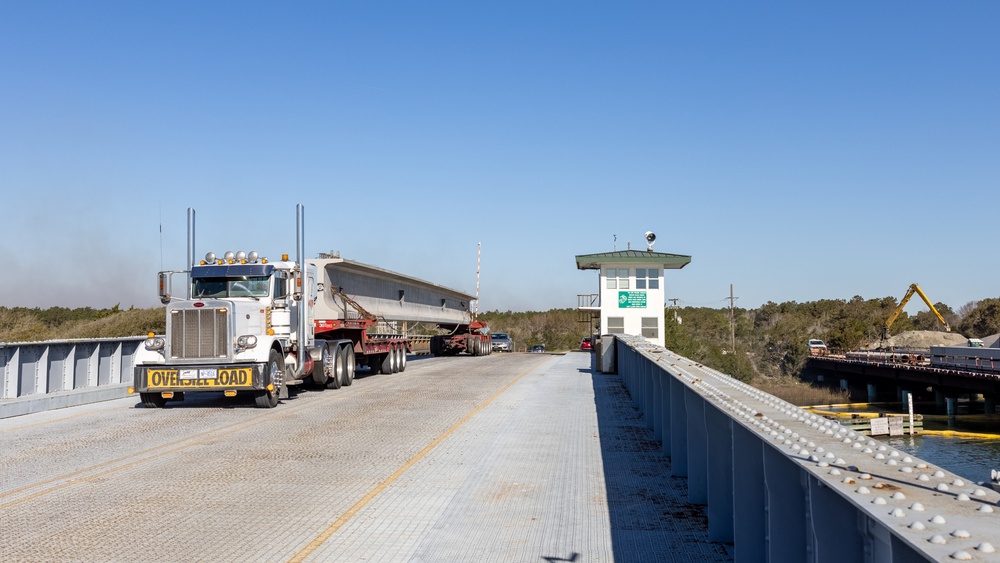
x,y
472,338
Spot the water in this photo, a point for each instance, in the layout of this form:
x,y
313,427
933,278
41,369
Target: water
x,y
970,458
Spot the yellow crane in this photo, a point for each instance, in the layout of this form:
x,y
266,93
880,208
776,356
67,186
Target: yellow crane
x,y
914,288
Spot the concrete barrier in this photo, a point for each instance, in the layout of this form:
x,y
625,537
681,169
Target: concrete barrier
x,y
783,484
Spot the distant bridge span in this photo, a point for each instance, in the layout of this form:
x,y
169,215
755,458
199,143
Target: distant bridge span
x,y
879,373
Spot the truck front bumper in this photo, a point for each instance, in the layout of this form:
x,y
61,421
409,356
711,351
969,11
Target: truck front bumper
x,y
237,377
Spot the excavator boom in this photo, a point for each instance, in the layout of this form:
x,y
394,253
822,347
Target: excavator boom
x,y
914,288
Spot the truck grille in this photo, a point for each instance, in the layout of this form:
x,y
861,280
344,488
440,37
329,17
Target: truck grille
x,y
198,333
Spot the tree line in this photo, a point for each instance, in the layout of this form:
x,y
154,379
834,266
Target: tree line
x,y
770,340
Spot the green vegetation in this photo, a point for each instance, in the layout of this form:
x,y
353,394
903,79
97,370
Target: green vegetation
x,y
20,324
557,329
770,340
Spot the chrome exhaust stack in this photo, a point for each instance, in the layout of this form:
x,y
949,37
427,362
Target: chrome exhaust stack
x,y
190,248
303,357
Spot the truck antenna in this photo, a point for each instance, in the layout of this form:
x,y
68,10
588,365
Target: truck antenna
x,y
479,259
160,210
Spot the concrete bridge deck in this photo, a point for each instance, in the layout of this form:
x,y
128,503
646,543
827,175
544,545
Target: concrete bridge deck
x,y
509,457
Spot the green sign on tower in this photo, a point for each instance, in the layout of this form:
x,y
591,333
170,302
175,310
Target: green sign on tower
x,y
631,299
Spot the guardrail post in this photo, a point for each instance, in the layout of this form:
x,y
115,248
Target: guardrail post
x,y
749,497
646,372
786,508
12,372
664,399
678,430
839,533
93,365
42,371
719,428
105,364
653,372
116,363
26,368
697,443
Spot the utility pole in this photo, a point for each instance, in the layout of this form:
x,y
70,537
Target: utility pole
x,y
732,319
675,300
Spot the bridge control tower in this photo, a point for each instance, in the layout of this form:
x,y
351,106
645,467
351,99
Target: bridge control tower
x,y
631,297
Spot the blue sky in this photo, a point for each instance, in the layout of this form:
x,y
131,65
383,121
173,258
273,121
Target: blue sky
x,y
798,150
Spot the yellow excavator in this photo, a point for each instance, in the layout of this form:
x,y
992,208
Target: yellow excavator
x,y
914,288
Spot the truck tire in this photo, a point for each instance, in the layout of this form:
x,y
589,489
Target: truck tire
x,y
152,400
324,367
336,378
275,370
350,364
401,361
389,361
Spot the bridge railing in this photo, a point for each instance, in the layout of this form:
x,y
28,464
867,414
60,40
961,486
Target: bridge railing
x,y
66,372
783,484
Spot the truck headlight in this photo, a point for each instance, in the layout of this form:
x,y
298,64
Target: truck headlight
x,y
155,343
246,341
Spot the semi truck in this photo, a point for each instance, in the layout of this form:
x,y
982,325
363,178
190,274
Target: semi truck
x,y
248,325
472,338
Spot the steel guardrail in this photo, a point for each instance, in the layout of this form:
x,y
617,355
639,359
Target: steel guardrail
x,y
66,372
783,484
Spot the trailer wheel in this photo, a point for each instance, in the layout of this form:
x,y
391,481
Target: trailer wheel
x,y
389,362
337,375
350,364
401,361
275,368
152,400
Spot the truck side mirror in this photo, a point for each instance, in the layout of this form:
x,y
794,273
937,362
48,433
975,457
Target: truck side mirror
x,y
163,292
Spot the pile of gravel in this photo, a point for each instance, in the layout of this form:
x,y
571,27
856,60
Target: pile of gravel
x,y
924,339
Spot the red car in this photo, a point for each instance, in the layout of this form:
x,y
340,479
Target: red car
x,y
585,345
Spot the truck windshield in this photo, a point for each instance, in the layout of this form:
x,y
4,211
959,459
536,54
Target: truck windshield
x,y
245,286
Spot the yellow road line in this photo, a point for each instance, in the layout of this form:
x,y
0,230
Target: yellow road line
x,y
351,512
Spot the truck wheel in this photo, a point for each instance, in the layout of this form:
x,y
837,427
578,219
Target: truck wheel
x,y
321,373
337,375
350,363
152,400
389,362
275,372
401,360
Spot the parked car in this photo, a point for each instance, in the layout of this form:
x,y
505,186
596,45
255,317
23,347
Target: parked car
x,y
502,342
818,348
585,345
537,348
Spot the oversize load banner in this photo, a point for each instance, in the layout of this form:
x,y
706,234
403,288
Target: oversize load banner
x,y
173,378
631,299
